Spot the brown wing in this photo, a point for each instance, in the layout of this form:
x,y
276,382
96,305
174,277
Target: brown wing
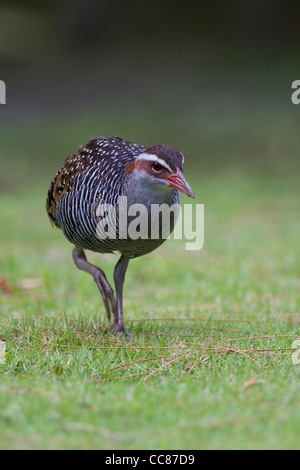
x,y
105,153
63,182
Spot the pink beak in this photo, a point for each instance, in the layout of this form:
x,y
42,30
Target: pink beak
x,y
178,181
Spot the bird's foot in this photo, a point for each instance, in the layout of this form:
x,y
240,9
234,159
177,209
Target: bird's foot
x,y
118,329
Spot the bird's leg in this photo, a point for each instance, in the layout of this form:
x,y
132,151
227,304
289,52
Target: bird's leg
x,y
119,276
99,277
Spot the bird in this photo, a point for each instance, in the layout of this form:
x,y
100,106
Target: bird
x,y
100,174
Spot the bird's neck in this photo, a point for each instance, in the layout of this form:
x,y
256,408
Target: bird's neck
x,y
143,189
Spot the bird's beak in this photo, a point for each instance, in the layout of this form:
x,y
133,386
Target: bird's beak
x,y
179,182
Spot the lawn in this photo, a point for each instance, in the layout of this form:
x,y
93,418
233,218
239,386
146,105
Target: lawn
x,y
210,362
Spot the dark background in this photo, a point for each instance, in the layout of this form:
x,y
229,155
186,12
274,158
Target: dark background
x,y
213,80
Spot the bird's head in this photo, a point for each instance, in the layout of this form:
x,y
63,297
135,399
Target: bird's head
x,y
162,165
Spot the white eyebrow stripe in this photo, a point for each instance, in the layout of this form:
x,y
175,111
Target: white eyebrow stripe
x,y
154,158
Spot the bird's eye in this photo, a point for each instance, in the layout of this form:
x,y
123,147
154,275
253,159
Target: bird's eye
x,y
156,167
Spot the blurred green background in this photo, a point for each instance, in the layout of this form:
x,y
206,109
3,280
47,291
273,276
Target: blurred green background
x,y
212,80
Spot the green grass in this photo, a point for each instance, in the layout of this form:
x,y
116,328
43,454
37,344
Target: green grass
x,y
210,363
214,372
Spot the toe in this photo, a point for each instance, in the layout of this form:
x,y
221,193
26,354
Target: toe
x,y
118,329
